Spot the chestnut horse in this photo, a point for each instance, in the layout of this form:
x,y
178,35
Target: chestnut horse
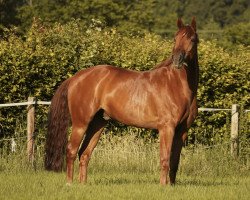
x,y
163,98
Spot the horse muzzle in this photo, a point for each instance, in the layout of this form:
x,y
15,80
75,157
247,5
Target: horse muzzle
x,y
179,59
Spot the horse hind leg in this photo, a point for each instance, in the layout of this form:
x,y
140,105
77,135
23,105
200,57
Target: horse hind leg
x,y
72,148
91,139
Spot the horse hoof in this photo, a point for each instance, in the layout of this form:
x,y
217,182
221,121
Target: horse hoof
x,y
68,184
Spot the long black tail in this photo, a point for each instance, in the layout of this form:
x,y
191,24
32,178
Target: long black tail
x,y
56,138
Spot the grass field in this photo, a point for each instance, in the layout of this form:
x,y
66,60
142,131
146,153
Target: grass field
x,y
128,168
44,185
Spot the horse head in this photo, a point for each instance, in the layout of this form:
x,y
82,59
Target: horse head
x,y
185,47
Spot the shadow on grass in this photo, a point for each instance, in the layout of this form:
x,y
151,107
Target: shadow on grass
x,y
207,182
121,180
154,180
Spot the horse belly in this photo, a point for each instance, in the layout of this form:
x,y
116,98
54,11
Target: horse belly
x,y
132,110
134,118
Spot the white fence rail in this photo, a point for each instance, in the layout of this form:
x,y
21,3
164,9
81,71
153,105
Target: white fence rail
x,y
31,123
25,103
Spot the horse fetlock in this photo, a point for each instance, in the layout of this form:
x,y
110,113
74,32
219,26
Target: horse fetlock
x,y
172,177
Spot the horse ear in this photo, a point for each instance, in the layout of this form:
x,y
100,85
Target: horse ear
x,y
180,23
193,23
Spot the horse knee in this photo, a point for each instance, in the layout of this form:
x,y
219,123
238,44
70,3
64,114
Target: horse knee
x,y
165,164
71,152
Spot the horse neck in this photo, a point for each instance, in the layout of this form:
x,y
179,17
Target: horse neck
x,y
192,71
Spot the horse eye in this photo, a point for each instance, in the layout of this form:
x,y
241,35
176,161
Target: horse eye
x,y
193,39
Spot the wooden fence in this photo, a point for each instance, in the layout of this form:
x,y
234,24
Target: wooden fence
x,y
31,124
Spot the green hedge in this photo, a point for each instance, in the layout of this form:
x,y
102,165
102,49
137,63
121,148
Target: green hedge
x,y
36,64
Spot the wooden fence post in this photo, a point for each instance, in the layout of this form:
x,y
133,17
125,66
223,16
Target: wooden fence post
x,y
30,130
235,131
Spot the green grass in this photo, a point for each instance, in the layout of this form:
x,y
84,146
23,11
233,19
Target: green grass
x,y
128,168
44,185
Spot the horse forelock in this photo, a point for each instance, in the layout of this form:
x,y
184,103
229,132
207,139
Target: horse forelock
x,y
186,30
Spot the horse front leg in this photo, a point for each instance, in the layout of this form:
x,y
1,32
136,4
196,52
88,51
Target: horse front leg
x,y
177,145
166,139
179,139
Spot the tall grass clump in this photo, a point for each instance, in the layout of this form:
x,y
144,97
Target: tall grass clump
x,y
13,150
127,153
13,155
211,162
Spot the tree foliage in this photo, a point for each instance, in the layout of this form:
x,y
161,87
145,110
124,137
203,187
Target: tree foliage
x,y
8,13
112,13
157,16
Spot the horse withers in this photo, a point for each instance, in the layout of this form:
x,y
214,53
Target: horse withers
x,y
163,98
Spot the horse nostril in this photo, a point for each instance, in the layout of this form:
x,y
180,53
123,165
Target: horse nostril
x,y
181,57
178,58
